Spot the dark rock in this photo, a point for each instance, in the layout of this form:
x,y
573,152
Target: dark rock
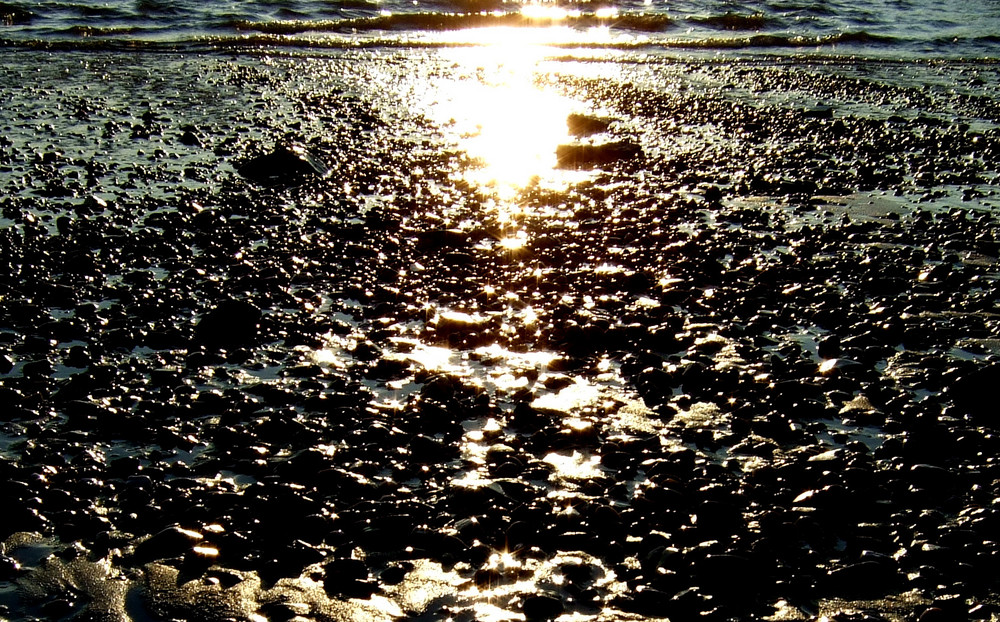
x,y
9,568
818,112
348,578
649,602
191,139
932,477
21,518
34,369
867,579
284,611
717,517
832,497
586,156
173,541
828,347
94,203
231,324
727,574
58,608
935,614
689,604
542,607
585,125
197,560
976,392
439,387
437,239
427,449
79,357
394,575
286,165
712,194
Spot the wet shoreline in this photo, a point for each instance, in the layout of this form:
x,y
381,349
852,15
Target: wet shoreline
x,y
735,370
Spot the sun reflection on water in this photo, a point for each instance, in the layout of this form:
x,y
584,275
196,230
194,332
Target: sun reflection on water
x,y
571,398
511,128
575,466
514,242
499,112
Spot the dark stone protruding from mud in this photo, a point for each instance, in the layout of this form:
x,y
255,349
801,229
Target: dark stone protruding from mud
x,y
818,112
867,579
542,607
586,125
348,578
585,156
173,541
191,139
286,165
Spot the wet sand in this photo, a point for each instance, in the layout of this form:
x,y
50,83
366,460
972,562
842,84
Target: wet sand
x,y
734,360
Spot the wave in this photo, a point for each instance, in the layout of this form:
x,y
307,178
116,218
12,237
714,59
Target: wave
x,y
55,11
262,41
489,6
920,28
13,15
779,41
982,39
102,31
719,43
343,24
157,7
734,21
437,22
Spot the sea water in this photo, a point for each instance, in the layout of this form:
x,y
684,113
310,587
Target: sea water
x,y
897,28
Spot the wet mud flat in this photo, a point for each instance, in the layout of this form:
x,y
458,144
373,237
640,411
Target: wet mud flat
x,y
740,365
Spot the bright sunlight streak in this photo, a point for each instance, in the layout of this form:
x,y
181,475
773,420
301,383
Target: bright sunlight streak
x,y
510,127
500,114
545,11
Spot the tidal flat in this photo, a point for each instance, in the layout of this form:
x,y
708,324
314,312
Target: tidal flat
x,y
550,334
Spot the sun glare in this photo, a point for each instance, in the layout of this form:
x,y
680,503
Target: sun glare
x,y
509,126
514,242
498,110
546,12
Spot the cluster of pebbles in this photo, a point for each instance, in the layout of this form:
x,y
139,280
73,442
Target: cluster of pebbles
x,y
265,354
